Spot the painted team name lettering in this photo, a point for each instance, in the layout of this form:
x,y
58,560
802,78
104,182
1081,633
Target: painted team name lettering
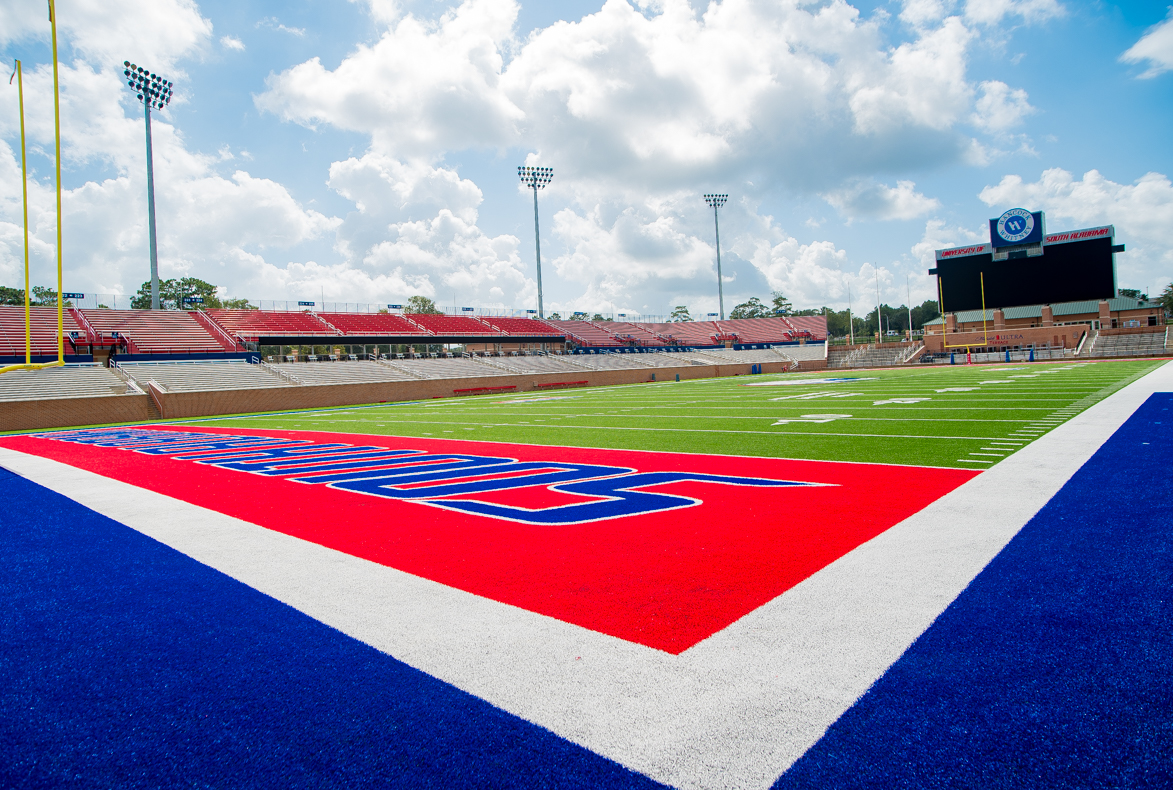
x,y
1077,235
445,480
963,251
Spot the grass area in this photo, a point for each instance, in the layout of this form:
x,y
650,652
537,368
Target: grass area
x,y
963,416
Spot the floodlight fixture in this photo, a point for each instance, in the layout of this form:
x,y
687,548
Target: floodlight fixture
x,y
536,178
716,201
153,91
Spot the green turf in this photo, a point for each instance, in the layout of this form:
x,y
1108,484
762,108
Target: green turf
x,y
963,416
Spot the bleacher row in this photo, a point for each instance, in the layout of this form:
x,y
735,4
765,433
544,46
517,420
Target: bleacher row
x,y
131,378
220,330
1139,344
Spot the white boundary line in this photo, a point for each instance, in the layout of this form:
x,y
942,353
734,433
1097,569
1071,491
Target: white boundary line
x,y
735,710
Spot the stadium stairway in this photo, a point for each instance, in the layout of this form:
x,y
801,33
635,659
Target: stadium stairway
x,y
521,327
1138,344
200,375
871,356
226,341
155,331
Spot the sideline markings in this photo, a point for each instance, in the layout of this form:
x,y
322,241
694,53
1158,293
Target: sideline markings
x,y
733,711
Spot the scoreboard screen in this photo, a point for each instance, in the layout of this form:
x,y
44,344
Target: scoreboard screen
x,y
1074,266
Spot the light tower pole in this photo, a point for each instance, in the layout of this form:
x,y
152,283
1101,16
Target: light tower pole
x,y
536,178
716,201
153,91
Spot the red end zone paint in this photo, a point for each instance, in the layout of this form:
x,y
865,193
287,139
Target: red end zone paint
x,y
663,579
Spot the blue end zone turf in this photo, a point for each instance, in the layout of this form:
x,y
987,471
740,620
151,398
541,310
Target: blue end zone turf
x,y
124,663
1054,668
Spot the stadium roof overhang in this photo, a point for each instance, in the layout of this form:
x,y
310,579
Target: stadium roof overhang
x,y
358,340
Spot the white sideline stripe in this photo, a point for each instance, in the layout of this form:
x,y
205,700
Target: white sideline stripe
x,y
735,710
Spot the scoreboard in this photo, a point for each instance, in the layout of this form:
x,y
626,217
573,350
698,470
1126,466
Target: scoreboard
x,y
1048,269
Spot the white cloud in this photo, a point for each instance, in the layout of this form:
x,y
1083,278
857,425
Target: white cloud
x,y
632,254
1000,107
1142,212
157,33
938,236
1155,47
662,95
920,13
870,200
635,106
421,88
415,227
991,12
273,23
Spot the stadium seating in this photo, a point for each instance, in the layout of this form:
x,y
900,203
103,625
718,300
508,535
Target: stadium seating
x,y
202,375
585,333
342,372
64,382
455,325
371,324
723,355
541,364
43,321
687,333
448,368
641,333
523,327
872,356
804,353
757,330
155,331
1130,345
613,361
815,324
252,324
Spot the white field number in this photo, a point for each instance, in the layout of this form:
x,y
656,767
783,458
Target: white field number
x,y
814,418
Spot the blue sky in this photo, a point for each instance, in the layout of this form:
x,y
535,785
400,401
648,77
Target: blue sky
x,y
367,151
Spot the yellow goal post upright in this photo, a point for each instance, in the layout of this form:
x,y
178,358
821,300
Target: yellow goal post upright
x,y
28,363
944,326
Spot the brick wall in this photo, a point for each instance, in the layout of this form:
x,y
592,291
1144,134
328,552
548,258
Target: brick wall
x,y
69,412
1065,336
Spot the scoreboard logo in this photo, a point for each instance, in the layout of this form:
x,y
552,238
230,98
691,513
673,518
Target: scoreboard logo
x,y
1016,225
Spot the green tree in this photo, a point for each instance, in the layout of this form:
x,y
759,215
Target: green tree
x,y
11,295
173,295
236,304
421,305
679,313
781,304
1166,299
751,309
925,311
45,297
597,317
1134,293
555,316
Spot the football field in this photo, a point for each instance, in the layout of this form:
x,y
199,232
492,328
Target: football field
x,y
938,577
958,416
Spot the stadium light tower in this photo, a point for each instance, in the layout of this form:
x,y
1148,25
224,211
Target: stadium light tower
x,y
716,201
536,178
153,91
